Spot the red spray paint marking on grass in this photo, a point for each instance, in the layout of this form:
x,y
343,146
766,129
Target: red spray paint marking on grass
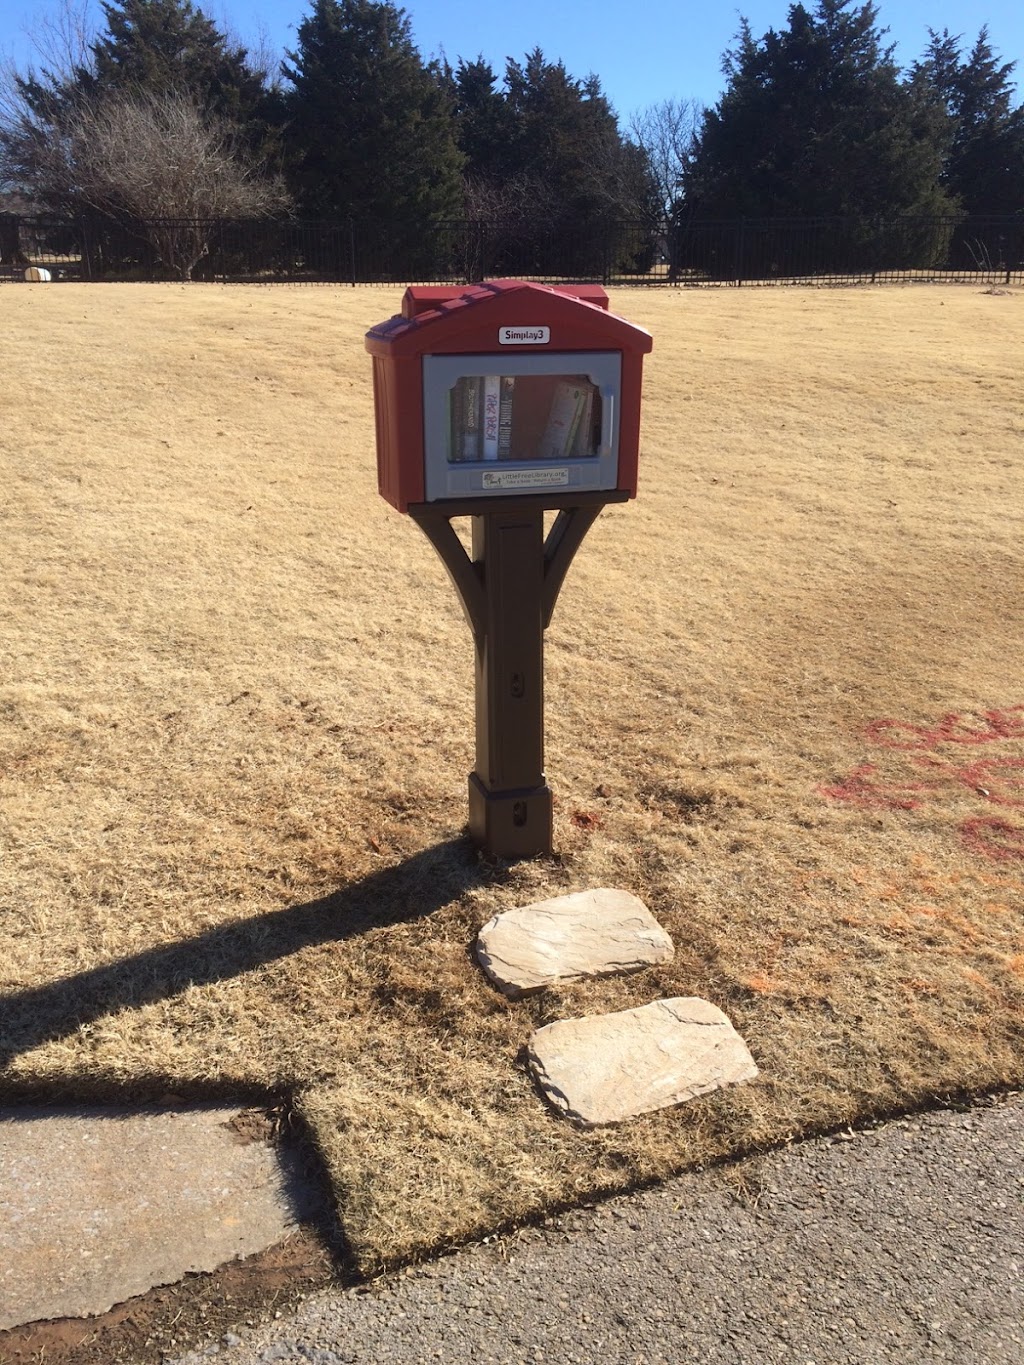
x,y
997,779
898,734
1000,780
994,838
860,790
952,728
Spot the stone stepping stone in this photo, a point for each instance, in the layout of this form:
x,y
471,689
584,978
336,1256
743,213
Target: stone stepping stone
x,y
609,1067
589,933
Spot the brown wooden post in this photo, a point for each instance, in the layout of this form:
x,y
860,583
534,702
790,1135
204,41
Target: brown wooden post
x,y
509,798
508,590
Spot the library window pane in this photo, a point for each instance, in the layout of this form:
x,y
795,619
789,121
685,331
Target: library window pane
x,y
524,417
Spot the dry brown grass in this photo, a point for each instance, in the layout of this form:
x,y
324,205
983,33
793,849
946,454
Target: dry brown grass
x,y
235,724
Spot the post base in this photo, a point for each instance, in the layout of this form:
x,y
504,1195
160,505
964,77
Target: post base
x,y
511,824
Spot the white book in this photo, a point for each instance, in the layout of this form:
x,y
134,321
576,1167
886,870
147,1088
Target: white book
x,y
492,406
582,435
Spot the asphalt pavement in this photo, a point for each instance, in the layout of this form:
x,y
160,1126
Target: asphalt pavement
x,y
903,1243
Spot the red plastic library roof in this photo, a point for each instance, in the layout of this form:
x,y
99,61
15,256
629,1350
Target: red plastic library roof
x,y
453,319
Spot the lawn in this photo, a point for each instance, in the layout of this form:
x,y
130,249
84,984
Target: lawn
x,y
784,707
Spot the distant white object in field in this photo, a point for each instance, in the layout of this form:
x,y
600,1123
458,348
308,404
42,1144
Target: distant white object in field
x,y
35,274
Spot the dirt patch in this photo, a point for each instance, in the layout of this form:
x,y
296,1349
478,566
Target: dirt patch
x,y
236,722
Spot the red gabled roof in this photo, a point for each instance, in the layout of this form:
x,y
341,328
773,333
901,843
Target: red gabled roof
x,y
449,318
422,298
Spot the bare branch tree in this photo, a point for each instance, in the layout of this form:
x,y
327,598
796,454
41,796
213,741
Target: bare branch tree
x,y
161,156
159,164
509,199
666,131
509,215
60,44
62,39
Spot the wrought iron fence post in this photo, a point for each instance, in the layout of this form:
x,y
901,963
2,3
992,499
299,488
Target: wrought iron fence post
x,y
673,247
85,261
479,250
740,243
352,250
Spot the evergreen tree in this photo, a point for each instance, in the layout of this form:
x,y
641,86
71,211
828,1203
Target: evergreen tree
x,y
484,123
565,137
547,171
370,132
152,48
815,121
984,167
584,176
158,47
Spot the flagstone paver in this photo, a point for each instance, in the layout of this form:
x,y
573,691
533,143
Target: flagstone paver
x,y
588,933
609,1067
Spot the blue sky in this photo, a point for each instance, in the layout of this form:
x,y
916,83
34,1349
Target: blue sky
x,y
642,52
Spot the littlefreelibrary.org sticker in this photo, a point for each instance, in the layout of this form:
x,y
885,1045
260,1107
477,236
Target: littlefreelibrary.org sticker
x,y
526,478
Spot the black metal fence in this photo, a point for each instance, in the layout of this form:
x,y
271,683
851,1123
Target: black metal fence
x,y
691,251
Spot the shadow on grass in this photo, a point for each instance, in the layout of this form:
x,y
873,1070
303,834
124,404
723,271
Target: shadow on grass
x,y
407,891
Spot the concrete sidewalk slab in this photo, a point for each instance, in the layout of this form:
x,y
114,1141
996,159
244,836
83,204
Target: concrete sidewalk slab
x,y
102,1204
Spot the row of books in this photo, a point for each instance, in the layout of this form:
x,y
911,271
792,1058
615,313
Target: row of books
x,y
484,411
482,418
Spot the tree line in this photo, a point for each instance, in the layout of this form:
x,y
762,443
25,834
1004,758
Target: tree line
x,y
161,116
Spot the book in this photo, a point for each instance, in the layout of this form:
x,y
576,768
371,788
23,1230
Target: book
x,y
583,443
469,411
563,420
506,397
491,404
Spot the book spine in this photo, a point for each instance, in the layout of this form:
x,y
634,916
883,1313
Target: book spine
x,y
454,431
508,392
582,438
470,418
492,401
